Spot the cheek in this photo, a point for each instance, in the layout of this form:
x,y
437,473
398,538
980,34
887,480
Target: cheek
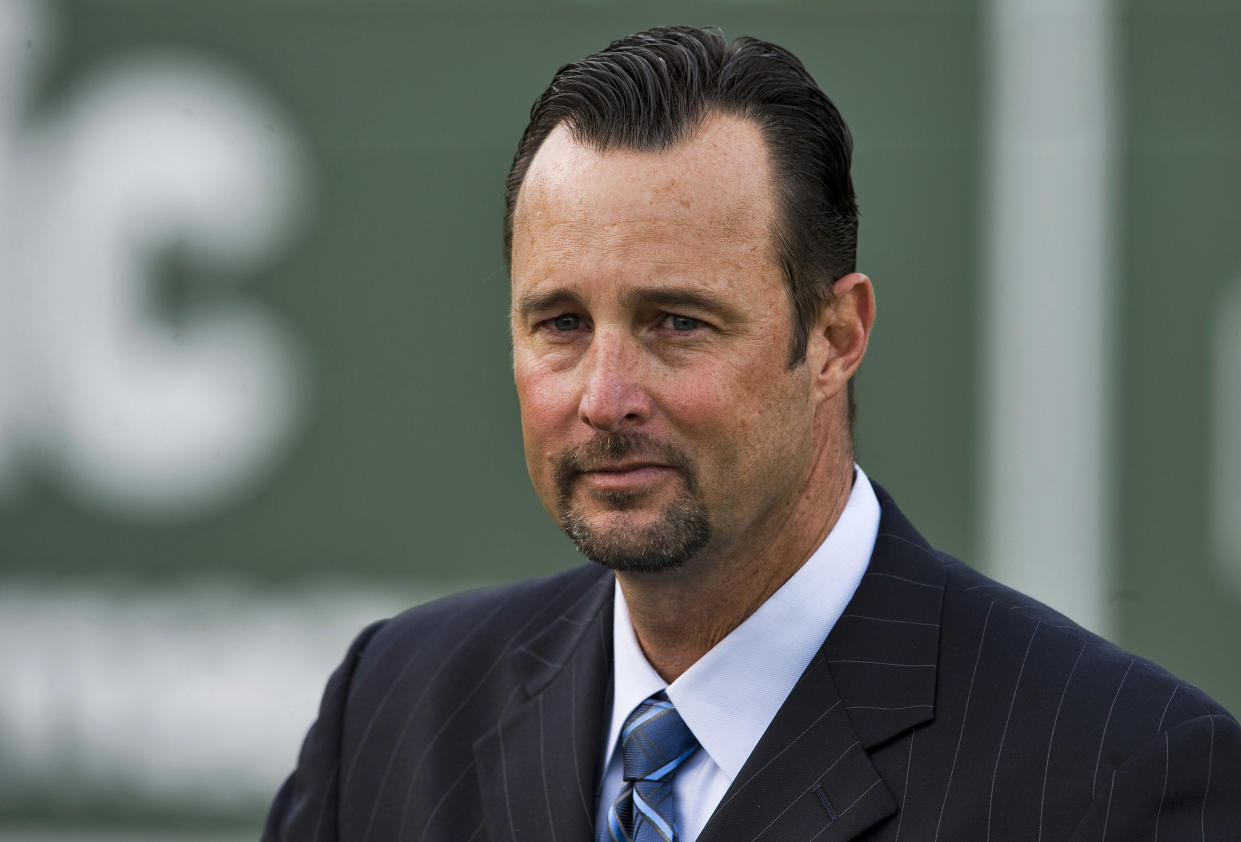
x,y
713,415
735,394
539,442
547,410
544,398
740,421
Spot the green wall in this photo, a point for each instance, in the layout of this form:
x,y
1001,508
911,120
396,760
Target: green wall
x,y
410,463
407,466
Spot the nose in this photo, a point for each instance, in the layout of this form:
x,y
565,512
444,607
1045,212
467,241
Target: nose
x,y
613,395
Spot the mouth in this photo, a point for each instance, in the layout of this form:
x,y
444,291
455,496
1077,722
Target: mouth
x,y
630,475
619,468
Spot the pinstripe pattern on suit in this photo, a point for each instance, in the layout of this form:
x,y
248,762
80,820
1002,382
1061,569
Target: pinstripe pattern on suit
x,y
942,706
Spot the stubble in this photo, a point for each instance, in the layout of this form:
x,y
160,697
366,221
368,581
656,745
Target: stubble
x,y
681,530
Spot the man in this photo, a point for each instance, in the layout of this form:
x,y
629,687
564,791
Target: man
x,y
764,648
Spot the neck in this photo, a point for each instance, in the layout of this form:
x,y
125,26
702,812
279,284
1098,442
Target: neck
x,y
679,615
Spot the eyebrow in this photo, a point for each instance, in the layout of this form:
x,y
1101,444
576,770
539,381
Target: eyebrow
x,y
663,297
674,299
540,302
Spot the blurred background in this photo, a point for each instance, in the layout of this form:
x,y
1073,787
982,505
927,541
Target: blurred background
x,y
254,370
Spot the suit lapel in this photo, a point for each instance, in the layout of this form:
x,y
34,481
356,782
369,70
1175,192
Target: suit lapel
x,y
884,650
810,776
539,768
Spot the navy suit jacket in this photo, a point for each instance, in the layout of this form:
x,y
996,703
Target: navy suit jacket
x,y
942,706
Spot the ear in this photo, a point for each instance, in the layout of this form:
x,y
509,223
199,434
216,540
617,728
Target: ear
x,y
839,340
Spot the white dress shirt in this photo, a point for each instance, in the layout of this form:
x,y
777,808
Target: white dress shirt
x,y
731,694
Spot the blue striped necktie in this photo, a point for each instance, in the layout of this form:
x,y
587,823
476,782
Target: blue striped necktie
x,y
655,742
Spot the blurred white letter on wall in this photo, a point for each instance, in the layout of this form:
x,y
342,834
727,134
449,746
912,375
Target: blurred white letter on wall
x,y
151,152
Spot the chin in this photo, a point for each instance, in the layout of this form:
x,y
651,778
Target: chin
x,y
663,541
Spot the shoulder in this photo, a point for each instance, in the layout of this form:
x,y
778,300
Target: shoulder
x,y
1140,695
1114,696
1112,738
469,633
1109,737
508,607
1028,701
413,694
986,624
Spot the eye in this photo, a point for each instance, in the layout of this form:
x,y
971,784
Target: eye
x,y
566,322
683,324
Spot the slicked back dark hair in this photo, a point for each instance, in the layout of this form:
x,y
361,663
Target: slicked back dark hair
x,y
651,91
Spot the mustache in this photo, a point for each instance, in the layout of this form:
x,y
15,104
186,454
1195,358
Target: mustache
x,y
610,447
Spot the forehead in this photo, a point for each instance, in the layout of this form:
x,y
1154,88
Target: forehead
x,y
708,198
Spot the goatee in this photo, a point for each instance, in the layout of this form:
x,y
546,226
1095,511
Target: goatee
x,y
682,528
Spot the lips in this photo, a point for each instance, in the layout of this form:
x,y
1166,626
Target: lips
x,y
624,461
629,475
621,467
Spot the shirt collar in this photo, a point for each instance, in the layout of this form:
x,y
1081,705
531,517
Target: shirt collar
x,y
730,695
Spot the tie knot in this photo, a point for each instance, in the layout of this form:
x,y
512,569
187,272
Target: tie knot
x,y
655,741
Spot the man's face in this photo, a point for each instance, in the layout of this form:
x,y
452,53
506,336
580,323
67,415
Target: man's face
x,y
651,330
